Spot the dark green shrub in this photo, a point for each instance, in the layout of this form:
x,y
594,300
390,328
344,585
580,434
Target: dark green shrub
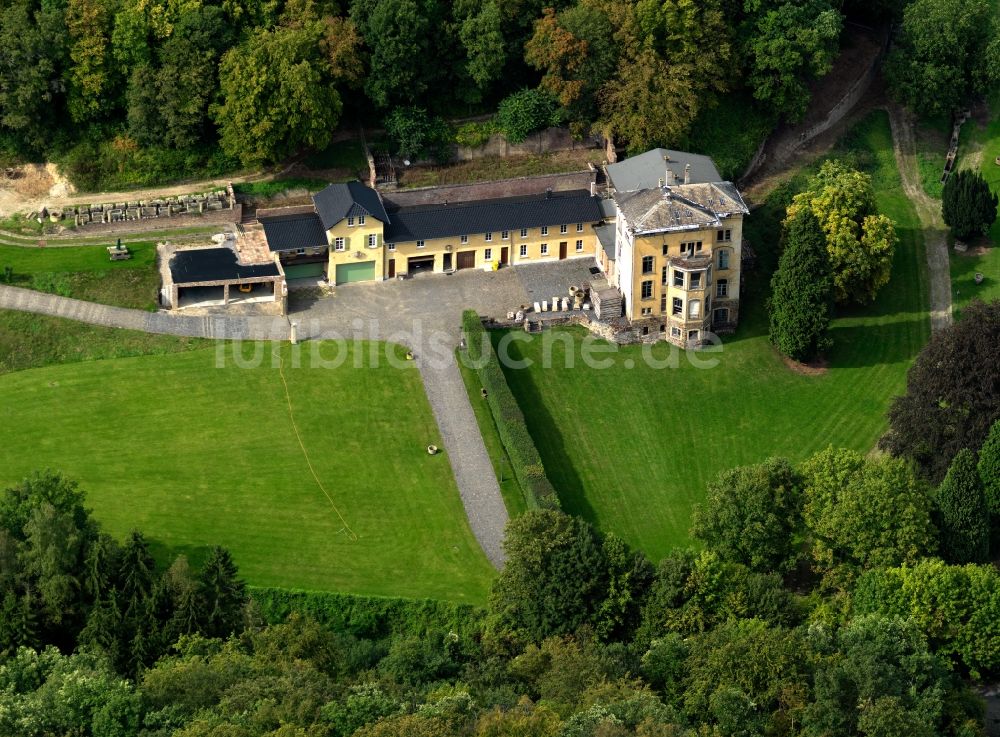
x,y
522,113
967,204
524,456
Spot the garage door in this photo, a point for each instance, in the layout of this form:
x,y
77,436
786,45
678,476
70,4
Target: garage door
x,y
304,271
347,273
466,259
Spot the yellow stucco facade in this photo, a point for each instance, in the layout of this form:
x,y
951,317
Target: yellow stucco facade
x,y
354,242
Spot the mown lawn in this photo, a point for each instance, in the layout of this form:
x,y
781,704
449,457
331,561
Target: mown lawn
x,y
964,266
631,449
195,455
31,341
86,272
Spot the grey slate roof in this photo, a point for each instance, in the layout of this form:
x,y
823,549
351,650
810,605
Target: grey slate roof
x,y
294,231
646,170
338,201
683,207
606,237
484,216
214,264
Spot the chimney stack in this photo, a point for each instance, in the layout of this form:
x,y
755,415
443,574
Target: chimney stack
x,y
670,177
687,174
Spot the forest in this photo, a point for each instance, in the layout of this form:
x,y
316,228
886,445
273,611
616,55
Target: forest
x,y
168,88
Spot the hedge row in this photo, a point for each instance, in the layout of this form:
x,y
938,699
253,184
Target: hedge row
x,y
524,457
368,617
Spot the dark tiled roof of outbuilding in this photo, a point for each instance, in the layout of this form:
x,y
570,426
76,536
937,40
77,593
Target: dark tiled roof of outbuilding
x,y
485,216
214,264
338,201
294,231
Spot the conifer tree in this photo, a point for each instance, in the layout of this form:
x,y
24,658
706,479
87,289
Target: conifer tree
x,y
223,594
989,470
802,291
968,206
965,531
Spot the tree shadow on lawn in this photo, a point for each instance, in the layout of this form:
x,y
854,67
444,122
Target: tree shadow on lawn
x,y
165,554
859,346
549,439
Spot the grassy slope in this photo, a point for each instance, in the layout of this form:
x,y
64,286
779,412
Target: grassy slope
x,y
964,266
632,449
30,341
86,272
513,497
196,455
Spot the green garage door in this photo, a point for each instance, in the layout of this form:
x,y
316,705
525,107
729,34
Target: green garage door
x,y
347,273
304,271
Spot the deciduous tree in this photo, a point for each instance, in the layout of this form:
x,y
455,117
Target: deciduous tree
x,y
264,117
947,52
860,241
787,45
952,393
753,515
864,512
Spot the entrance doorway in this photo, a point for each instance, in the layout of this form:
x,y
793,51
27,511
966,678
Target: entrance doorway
x,y
562,250
504,255
447,262
392,268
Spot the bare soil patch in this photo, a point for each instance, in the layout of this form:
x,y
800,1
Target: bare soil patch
x,y
817,367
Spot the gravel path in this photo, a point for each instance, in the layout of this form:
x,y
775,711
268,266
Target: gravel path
x,y
929,211
214,326
463,443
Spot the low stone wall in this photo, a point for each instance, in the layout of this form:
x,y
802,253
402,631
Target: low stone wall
x,y
167,207
550,139
515,187
221,217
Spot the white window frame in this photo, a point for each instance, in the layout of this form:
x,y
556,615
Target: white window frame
x,y
488,237
545,230
523,253
563,229
339,244
361,219
373,240
350,222
505,235
579,227
724,254
722,288
524,232
488,254
420,244
675,332
694,309
545,249
579,244
300,252
464,239
390,246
